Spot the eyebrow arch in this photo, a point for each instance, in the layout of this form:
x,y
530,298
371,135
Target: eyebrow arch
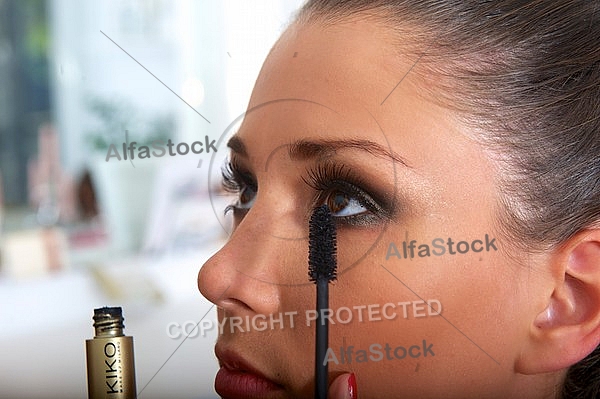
x,y
310,149
237,145
306,149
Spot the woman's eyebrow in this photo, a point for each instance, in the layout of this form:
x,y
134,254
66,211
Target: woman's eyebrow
x,y
310,149
237,145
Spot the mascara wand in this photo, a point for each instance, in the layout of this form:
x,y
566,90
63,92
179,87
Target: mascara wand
x,y
322,266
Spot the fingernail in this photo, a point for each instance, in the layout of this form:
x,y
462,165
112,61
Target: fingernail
x,y
352,387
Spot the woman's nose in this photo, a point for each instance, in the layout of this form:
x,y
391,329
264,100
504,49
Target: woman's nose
x,y
247,274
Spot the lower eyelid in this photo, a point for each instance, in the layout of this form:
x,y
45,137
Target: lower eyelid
x,y
360,220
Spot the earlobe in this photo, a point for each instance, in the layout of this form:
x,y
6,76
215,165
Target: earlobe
x,y
568,329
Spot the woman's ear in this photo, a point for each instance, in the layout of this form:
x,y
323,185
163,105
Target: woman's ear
x,y
568,329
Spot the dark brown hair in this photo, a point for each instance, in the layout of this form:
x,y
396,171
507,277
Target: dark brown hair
x,y
526,75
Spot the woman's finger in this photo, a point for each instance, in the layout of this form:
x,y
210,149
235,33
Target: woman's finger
x,y
343,387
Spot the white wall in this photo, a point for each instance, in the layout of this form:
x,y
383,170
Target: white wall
x,y
216,45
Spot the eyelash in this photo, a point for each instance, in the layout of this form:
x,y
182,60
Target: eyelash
x,y
328,178
235,179
325,179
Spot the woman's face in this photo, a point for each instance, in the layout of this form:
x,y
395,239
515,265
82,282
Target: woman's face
x,y
336,117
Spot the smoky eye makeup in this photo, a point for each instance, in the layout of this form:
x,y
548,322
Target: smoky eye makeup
x,y
352,200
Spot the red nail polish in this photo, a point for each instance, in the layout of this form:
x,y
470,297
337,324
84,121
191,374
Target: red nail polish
x,y
352,386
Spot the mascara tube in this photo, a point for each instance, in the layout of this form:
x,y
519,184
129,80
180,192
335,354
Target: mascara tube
x,y
110,365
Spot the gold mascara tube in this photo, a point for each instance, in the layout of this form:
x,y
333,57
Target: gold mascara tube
x,y
110,365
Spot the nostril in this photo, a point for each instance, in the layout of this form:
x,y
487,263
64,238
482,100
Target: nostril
x,y
243,277
230,304
216,283
215,293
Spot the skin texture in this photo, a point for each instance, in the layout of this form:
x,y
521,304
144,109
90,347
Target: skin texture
x,y
503,311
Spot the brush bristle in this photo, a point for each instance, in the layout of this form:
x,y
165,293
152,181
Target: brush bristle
x,y
322,262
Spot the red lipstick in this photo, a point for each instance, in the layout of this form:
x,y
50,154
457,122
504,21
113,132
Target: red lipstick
x,y
236,379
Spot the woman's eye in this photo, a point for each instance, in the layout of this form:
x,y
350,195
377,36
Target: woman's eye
x,y
246,198
342,190
242,184
344,205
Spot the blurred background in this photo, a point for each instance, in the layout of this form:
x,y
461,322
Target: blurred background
x,y
81,225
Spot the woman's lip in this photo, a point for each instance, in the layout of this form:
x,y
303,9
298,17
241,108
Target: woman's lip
x,y
236,379
237,384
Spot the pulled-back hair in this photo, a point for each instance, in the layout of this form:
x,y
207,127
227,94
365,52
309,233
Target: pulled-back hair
x,y
525,74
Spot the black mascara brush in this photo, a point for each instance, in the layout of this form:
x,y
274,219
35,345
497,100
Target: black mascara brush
x,y
322,266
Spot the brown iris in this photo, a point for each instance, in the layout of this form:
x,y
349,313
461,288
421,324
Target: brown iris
x,y
337,201
247,195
